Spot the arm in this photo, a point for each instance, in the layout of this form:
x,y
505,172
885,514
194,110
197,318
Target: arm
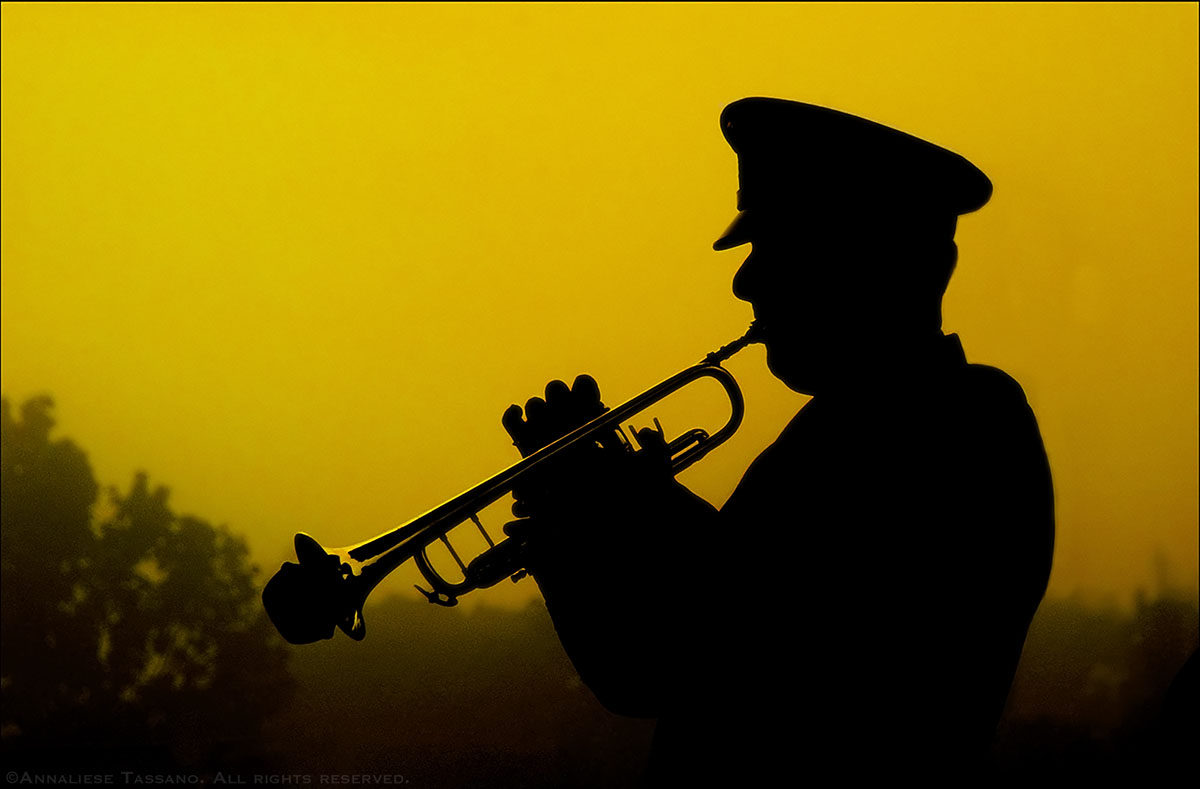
x,y
612,588
605,541
990,562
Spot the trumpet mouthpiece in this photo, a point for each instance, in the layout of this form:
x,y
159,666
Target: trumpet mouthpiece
x,y
725,351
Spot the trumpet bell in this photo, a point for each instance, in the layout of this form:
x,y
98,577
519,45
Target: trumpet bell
x,y
307,601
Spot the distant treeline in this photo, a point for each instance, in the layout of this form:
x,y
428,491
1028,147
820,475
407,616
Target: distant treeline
x,y
132,641
451,699
1088,699
138,643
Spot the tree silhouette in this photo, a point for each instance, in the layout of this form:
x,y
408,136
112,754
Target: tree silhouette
x,y
134,638
136,641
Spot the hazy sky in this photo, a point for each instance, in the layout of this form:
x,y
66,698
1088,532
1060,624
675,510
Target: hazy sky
x,y
295,260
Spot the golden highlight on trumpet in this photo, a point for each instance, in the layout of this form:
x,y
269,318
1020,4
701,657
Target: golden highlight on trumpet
x,y
326,588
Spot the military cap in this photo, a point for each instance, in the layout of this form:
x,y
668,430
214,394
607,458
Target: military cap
x,y
796,158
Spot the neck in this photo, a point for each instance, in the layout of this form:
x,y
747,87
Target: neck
x,y
888,364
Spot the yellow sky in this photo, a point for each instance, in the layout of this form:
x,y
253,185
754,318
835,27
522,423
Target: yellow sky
x,y
295,260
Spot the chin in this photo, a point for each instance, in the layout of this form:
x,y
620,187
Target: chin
x,y
794,373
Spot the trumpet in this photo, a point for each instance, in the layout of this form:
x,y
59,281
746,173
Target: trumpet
x,y
324,588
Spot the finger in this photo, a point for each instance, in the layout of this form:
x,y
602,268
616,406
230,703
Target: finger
x,y
654,458
610,440
557,394
651,439
525,528
536,410
586,390
518,528
514,423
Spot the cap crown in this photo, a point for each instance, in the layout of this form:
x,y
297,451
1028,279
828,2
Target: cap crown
x,y
792,154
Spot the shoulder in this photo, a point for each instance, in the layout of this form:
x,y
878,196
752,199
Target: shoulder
x,y
997,431
991,384
978,385
990,398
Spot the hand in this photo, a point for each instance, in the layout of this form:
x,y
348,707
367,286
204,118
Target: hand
x,y
544,422
591,482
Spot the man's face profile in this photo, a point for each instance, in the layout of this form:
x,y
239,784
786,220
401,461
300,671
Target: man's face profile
x,y
851,225
840,293
810,315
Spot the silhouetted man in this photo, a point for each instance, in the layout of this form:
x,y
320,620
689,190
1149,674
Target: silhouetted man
x,y
860,603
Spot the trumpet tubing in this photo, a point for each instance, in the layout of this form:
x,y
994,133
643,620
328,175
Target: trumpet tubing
x,y
326,589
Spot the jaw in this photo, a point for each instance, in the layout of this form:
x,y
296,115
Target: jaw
x,y
816,359
798,373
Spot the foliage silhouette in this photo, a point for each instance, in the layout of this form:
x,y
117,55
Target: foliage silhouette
x,y
1088,699
451,698
448,698
137,641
